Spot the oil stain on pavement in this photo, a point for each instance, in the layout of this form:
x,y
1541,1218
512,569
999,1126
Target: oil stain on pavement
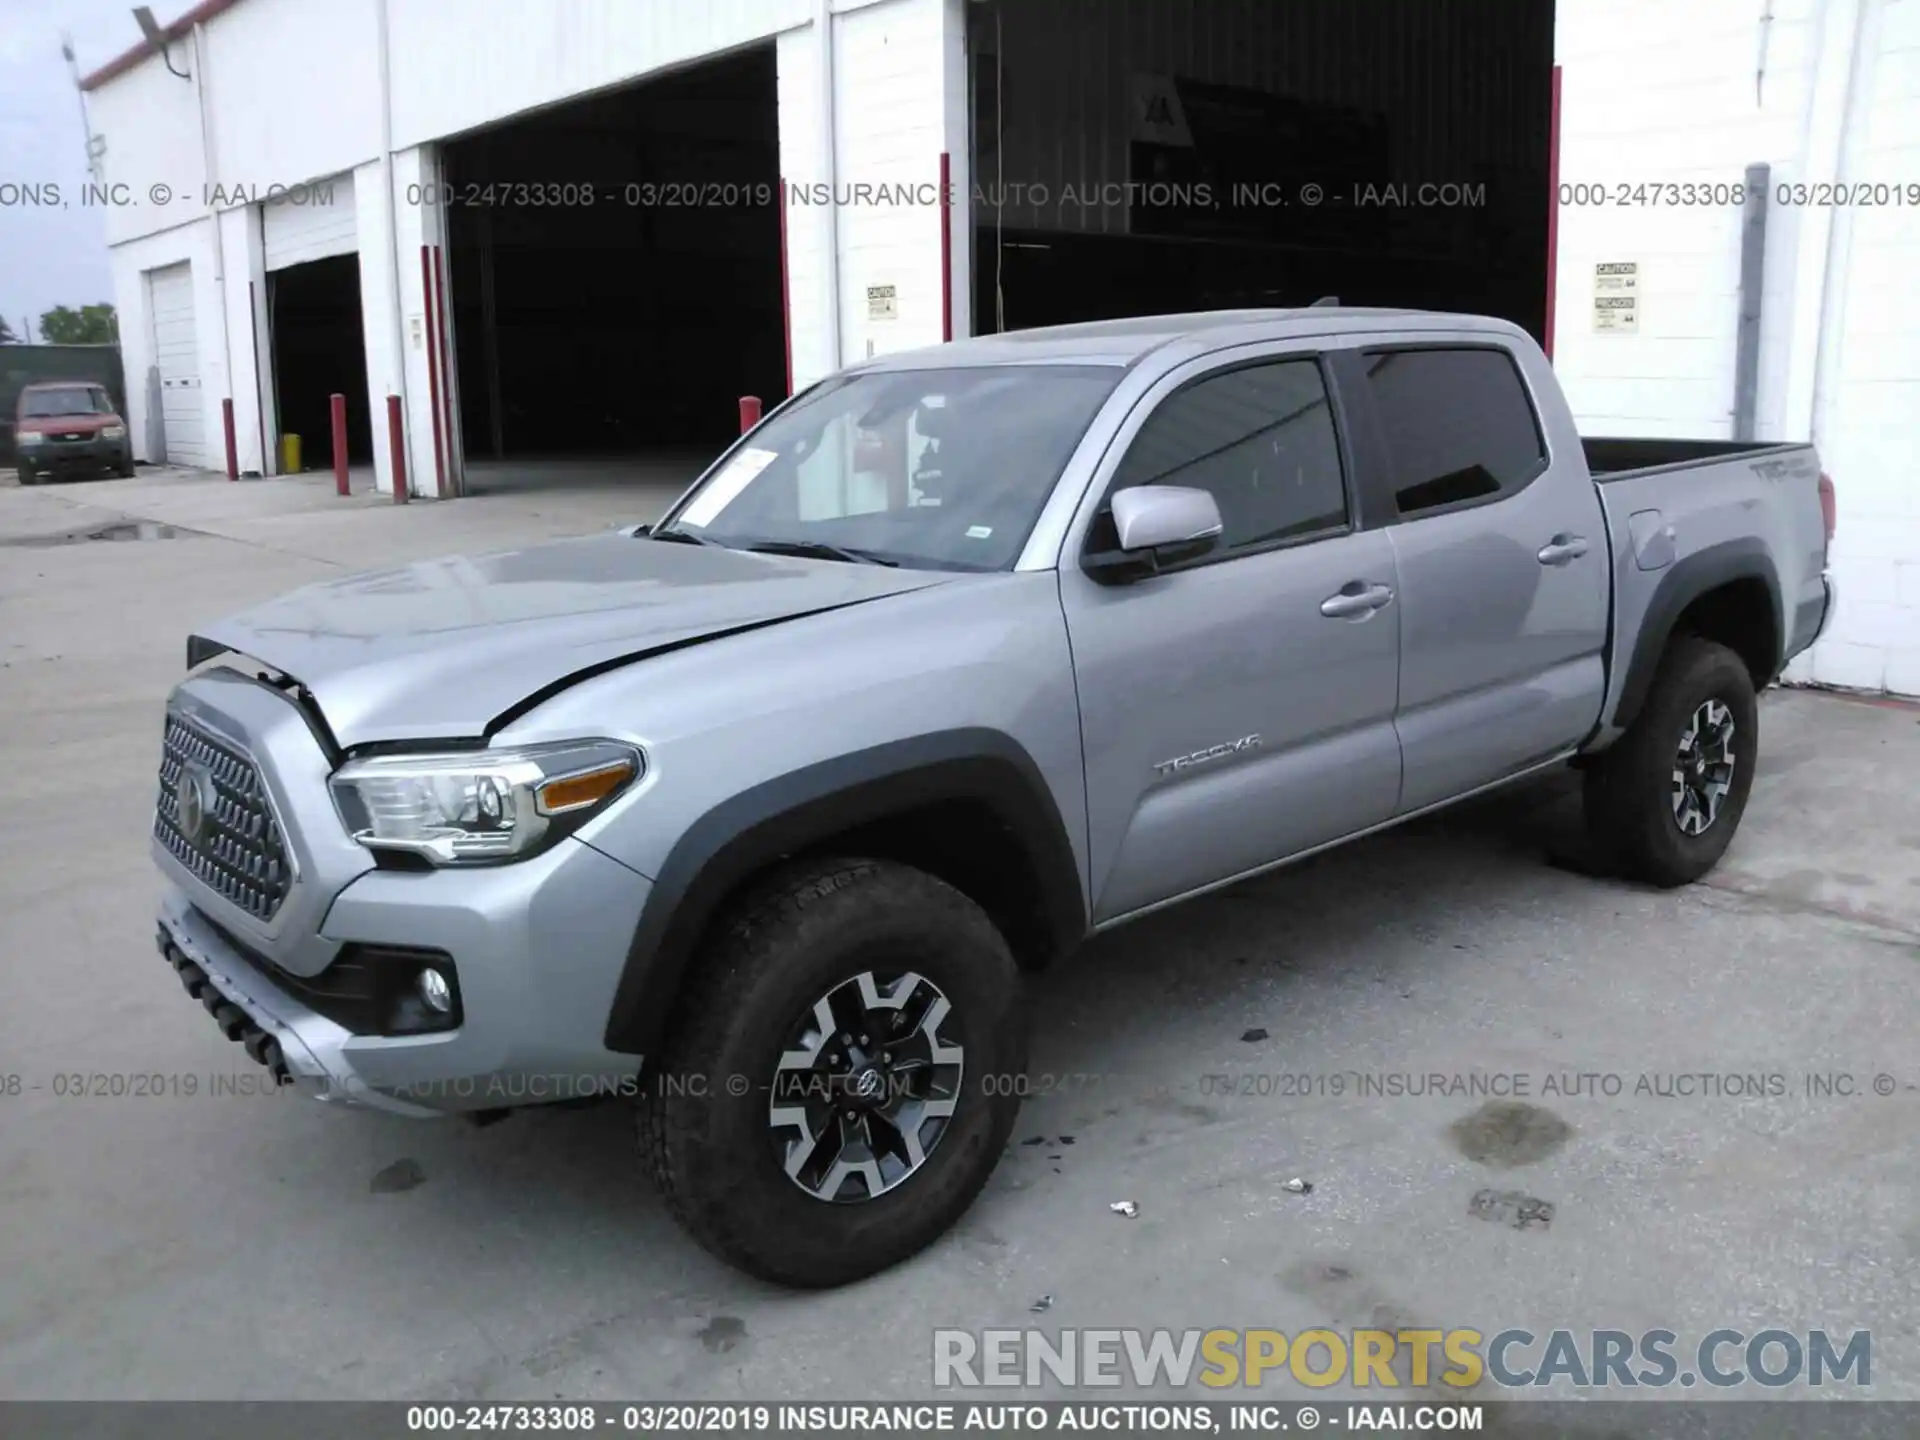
x,y
1508,1133
722,1333
399,1176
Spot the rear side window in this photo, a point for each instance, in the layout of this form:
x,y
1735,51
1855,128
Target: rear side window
x,y
1459,426
1261,439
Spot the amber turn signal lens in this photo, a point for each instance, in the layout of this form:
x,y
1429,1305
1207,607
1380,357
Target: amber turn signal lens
x,y
589,787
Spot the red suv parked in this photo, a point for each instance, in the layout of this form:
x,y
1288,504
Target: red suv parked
x,y
64,426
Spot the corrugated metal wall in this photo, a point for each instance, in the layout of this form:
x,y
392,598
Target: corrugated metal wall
x,y
1463,83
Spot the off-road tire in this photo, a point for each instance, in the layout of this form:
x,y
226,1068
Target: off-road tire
x,y
1630,787
27,477
790,940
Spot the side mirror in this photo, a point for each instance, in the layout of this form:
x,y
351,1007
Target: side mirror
x,y
1156,525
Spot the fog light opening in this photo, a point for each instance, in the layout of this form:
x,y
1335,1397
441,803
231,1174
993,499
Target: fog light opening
x,y
435,991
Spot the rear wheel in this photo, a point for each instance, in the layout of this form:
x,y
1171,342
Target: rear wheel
x,y
829,1100
1664,800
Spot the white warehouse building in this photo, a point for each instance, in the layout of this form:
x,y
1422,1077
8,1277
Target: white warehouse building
x,y
510,231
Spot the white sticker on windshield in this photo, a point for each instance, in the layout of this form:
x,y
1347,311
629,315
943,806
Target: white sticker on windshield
x,y
979,532
724,488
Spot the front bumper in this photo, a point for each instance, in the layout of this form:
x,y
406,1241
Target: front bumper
x,y
59,456
539,946
299,1047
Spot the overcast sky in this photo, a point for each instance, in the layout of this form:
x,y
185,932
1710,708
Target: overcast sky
x,y
53,257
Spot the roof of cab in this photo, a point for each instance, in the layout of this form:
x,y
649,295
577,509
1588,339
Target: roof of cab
x,y
1122,342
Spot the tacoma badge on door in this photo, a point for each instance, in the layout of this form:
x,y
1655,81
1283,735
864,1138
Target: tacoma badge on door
x,y
1202,757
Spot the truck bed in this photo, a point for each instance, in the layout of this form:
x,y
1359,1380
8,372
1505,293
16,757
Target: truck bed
x,y
1612,459
1707,513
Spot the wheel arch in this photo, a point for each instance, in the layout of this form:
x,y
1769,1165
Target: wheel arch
x,y
939,802
1728,593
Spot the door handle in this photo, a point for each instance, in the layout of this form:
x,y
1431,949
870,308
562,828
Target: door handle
x,y
1355,599
1563,549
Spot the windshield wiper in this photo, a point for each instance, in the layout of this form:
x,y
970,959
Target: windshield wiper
x,y
683,537
820,550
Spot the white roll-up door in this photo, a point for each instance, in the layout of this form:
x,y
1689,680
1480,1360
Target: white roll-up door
x,y
176,353
309,222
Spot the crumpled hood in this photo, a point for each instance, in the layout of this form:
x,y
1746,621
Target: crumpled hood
x,y
441,648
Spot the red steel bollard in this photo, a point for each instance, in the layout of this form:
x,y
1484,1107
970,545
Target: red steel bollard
x,y
233,446
749,412
340,444
397,440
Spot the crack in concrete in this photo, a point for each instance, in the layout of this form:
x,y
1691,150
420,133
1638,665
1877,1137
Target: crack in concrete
x,y
1869,925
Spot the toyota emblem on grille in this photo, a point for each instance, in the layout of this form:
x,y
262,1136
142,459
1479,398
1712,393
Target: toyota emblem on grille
x,y
194,793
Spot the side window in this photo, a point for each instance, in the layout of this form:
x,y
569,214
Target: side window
x,y
1261,438
1459,426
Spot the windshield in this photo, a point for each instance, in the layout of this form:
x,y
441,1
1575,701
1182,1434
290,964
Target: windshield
x,y
943,469
67,400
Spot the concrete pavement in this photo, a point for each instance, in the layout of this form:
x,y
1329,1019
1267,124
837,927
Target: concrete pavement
x,y
223,1244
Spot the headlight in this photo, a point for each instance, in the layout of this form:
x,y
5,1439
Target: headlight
x,y
113,432
479,807
28,437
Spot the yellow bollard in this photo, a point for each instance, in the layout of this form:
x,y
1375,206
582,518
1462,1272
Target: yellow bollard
x,y
289,454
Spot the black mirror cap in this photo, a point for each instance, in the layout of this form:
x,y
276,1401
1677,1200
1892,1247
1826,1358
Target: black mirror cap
x,y
1126,567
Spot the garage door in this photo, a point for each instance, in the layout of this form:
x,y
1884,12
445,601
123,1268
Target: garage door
x,y
176,351
309,222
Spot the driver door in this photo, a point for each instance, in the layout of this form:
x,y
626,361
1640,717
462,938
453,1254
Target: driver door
x,y
1236,709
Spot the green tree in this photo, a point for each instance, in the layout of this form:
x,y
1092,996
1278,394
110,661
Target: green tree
x,y
7,337
89,325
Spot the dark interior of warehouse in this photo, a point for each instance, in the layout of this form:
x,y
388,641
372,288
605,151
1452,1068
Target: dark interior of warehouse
x,y
1143,156
615,266
316,330
615,262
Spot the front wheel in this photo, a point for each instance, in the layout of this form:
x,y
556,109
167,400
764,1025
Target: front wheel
x,y
1664,800
827,1102
27,476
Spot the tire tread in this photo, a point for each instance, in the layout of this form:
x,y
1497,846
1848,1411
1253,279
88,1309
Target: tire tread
x,y
676,1135
744,937
1629,820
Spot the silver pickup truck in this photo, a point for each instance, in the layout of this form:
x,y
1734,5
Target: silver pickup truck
x,y
760,814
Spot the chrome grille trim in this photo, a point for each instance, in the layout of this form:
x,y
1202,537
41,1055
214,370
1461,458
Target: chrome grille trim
x,y
242,852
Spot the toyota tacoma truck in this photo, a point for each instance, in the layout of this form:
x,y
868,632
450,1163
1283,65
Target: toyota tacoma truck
x,y
761,814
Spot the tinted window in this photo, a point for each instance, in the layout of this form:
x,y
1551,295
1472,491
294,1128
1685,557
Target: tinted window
x,y
1459,425
1261,439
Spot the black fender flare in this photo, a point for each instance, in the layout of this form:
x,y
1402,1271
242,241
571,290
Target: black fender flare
x,y
1683,583
751,830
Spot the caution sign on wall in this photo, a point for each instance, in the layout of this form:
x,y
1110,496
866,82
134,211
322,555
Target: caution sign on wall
x,y
1616,296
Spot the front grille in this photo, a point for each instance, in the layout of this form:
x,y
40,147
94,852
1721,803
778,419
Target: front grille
x,y
237,849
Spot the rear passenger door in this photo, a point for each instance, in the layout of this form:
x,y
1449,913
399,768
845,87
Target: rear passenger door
x,y
1501,550
1238,708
